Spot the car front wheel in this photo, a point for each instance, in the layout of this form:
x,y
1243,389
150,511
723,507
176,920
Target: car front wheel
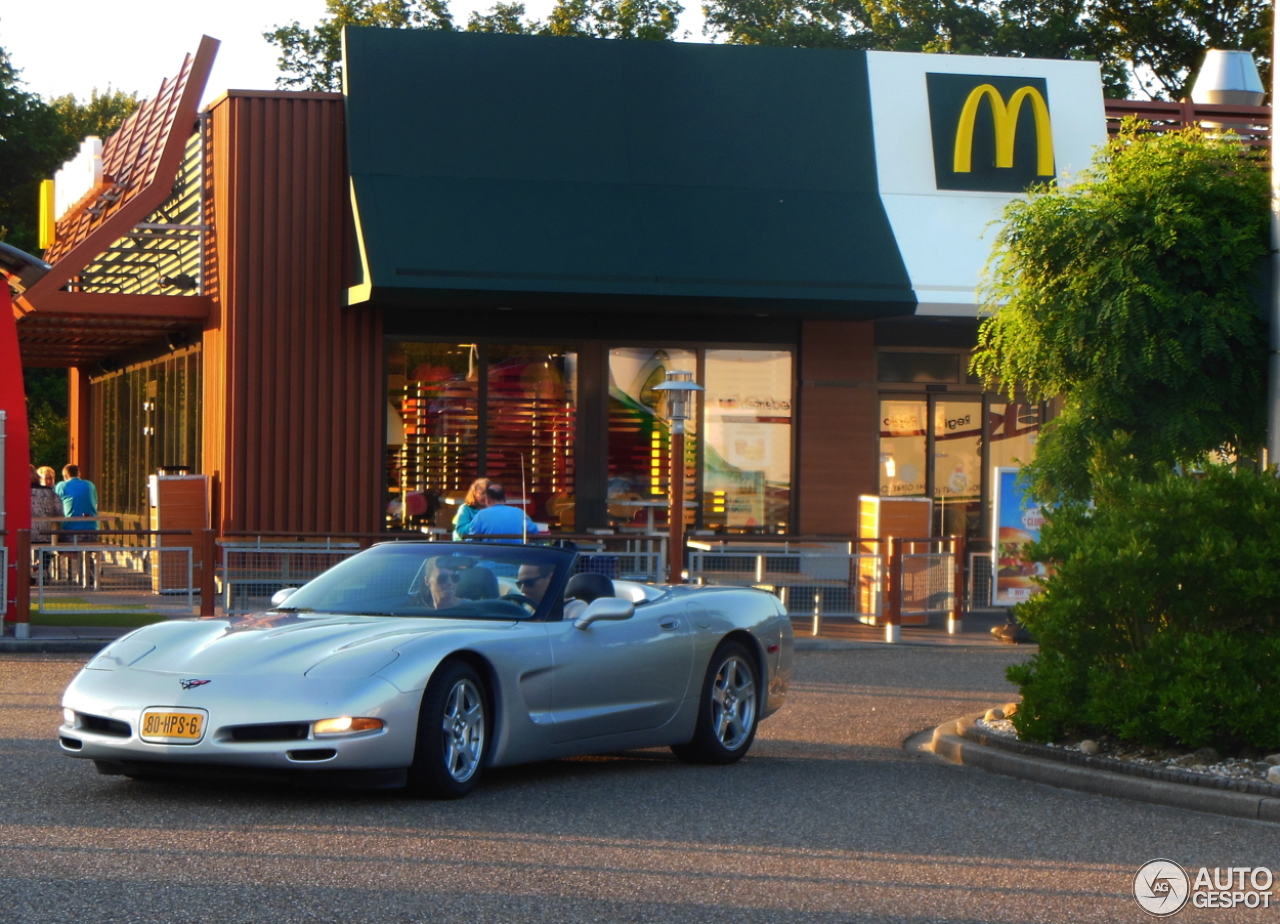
x,y
453,730
727,709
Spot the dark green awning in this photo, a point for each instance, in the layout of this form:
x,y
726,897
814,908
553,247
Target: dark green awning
x,y
514,167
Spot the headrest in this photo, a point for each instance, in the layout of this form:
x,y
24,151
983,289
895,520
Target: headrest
x,y
478,584
588,586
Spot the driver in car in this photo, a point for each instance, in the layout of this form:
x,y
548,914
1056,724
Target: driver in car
x,y
442,582
533,580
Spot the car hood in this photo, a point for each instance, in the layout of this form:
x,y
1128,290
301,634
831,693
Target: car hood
x,y
279,643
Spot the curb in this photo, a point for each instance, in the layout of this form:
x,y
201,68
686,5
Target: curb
x,y
950,743
53,645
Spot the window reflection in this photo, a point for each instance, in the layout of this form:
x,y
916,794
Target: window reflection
x,y
639,437
747,462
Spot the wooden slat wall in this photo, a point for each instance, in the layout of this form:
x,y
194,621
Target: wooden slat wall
x,y
837,448
294,393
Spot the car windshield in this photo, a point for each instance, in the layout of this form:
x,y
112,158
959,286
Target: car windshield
x,y
439,579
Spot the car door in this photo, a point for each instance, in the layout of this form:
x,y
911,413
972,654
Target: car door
x,y
623,676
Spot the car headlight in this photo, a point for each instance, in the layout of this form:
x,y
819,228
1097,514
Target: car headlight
x,y
68,717
345,725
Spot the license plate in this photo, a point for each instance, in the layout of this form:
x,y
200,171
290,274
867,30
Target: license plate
x,y
163,725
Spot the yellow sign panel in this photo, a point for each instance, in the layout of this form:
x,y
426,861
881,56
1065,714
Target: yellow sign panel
x,y
1006,128
48,218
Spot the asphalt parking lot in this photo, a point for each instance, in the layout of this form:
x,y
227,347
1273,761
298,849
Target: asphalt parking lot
x,y
829,819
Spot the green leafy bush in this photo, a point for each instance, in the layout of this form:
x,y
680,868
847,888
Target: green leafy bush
x,y
1161,621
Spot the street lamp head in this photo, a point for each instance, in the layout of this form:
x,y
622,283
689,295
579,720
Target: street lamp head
x,y
678,389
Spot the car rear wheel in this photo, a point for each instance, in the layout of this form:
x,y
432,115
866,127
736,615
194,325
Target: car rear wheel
x,y
453,732
728,709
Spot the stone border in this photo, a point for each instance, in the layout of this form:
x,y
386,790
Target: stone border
x,y
970,730
961,742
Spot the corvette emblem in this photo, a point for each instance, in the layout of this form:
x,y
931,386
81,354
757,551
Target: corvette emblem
x,y
191,684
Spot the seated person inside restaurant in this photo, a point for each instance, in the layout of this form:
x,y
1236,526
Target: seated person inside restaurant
x,y
499,519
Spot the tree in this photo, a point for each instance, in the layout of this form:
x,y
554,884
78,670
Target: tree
x,y
36,137
1157,43
1132,296
506,19
619,19
32,144
1165,41
311,59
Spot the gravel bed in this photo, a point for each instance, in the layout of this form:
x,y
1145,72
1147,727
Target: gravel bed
x,y
1199,768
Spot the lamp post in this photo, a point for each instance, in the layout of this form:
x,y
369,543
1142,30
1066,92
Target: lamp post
x,y
678,389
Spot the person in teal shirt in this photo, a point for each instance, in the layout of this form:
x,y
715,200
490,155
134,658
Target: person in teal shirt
x,y
79,498
475,501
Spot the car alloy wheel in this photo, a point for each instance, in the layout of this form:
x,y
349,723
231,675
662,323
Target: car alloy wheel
x,y
464,732
733,702
453,733
728,709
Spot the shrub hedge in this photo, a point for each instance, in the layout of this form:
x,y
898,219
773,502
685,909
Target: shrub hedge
x,y
1160,621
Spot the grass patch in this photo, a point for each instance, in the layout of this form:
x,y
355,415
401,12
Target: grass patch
x,y
54,604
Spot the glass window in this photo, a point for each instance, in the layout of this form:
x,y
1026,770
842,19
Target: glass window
x,y
957,466
903,447
150,418
746,480
919,367
639,438
532,405
432,429
1014,429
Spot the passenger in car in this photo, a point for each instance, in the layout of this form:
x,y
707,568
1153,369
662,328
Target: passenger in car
x,y
533,581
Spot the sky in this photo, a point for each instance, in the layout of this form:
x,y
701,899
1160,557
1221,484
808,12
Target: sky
x,y
75,46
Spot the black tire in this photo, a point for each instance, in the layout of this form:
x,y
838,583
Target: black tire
x,y
453,733
728,709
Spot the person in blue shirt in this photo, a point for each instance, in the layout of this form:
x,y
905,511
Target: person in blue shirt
x,y
499,519
79,498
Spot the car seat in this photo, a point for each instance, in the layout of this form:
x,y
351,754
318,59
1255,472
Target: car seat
x,y
478,584
588,586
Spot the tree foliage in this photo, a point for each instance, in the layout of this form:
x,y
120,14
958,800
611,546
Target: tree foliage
x,y
37,137
1159,42
1161,620
1165,40
311,58
1132,297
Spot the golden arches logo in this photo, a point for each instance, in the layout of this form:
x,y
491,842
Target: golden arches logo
x,y
1005,118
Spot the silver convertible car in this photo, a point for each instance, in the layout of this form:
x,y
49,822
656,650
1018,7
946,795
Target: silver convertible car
x,y
420,664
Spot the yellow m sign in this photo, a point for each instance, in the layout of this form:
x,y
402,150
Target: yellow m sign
x,y
1005,118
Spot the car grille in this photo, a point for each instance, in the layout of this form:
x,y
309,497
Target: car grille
x,y
278,731
103,726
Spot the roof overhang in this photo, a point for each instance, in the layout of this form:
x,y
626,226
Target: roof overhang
x,y
58,326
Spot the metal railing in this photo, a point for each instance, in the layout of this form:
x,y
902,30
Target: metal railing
x,y
817,578
877,581
102,578
253,571
980,581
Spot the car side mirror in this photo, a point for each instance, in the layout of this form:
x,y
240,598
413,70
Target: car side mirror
x,y
605,608
281,595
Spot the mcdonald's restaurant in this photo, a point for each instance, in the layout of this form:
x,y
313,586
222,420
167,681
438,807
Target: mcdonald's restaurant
x,y
483,256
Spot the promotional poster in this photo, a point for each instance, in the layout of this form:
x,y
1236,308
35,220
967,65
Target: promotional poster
x,y
1017,522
